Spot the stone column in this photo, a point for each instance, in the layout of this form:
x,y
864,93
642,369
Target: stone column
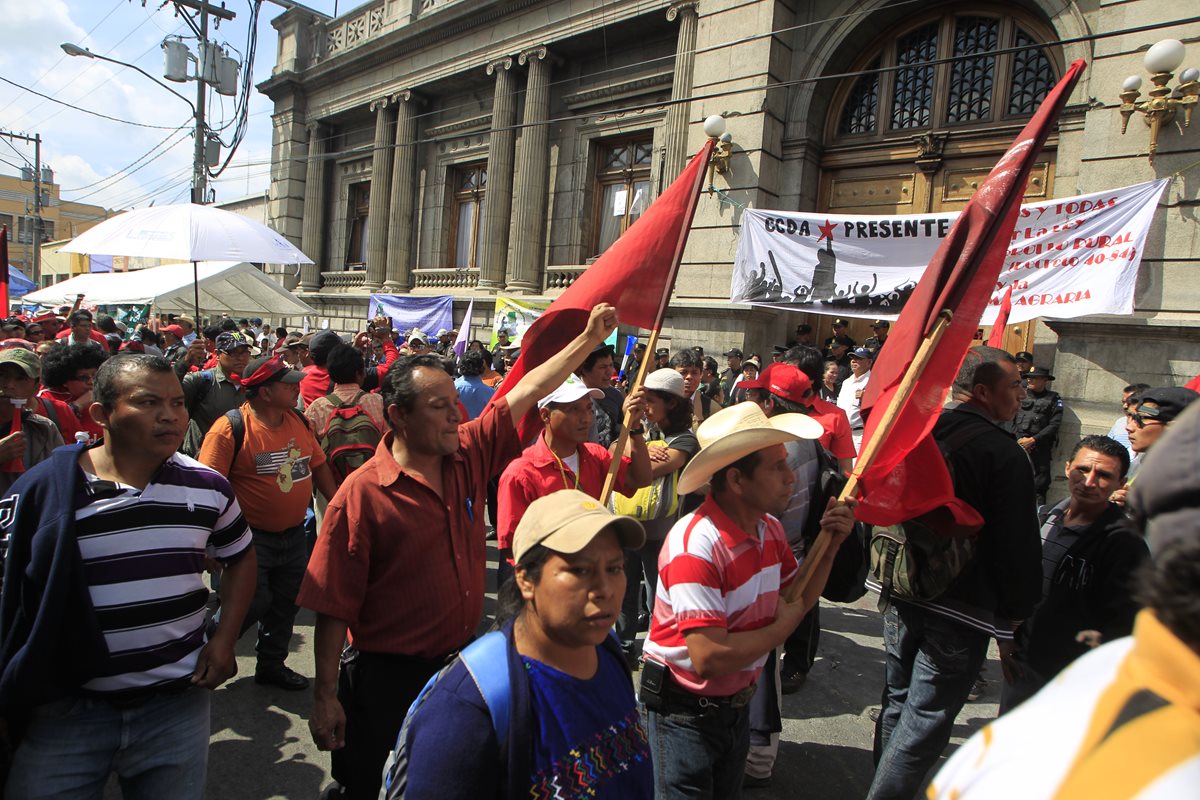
x,y
377,211
529,216
498,214
681,87
312,240
400,218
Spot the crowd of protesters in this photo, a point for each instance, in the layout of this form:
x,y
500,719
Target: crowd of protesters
x,y
360,476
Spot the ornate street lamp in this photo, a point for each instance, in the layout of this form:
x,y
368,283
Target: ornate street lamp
x,y
1161,60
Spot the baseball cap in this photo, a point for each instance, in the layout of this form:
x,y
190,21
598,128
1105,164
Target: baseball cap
x,y
1024,355
840,323
174,330
228,341
567,521
862,352
571,390
881,323
666,380
270,369
1171,401
25,359
442,332
733,351
784,380
662,351
320,345
418,335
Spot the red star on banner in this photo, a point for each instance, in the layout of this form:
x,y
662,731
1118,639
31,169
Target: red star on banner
x,y
827,230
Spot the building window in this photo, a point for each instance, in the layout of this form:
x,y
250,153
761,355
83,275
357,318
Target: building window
x,y
6,222
468,206
976,89
25,230
622,187
47,230
360,203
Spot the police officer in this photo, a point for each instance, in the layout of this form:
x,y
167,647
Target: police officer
x,y
1037,424
880,328
841,328
1024,361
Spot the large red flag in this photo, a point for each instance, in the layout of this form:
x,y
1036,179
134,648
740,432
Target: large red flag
x,y
635,275
908,477
997,337
4,269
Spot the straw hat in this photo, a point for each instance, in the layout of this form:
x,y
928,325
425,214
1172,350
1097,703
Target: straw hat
x,y
735,432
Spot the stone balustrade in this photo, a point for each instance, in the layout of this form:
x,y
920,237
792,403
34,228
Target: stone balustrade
x,y
347,281
445,278
558,278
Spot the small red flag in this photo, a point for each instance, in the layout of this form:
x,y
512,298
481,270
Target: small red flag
x,y
997,337
4,269
908,477
635,275
1193,384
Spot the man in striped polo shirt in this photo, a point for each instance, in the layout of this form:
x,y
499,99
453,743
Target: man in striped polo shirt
x,y
104,663
719,609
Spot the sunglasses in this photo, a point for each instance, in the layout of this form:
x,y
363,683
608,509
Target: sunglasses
x,y
1144,415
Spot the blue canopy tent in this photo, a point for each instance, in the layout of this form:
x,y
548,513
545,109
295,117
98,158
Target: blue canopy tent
x,y
18,283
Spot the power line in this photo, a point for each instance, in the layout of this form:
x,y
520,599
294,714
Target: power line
x,y
125,172
85,110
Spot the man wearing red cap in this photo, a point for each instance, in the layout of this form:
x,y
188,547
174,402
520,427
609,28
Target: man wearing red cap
x,y
172,336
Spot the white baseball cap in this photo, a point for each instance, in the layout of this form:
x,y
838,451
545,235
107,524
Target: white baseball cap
x,y
571,390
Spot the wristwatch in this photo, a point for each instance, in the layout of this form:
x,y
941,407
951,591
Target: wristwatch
x,y
638,431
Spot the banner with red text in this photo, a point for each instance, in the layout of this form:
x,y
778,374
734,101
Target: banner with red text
x,y
1068,258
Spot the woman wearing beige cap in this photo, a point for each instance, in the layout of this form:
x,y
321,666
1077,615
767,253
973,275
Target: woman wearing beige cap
x,y
545,705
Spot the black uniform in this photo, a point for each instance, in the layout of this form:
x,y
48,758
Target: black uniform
x,y
1040,416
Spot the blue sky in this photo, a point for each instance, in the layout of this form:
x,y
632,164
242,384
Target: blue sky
x,y
92,157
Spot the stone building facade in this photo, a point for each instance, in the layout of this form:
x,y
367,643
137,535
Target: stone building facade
x,y
476,147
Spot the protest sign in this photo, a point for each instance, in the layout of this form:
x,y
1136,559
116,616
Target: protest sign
x,y
1067,258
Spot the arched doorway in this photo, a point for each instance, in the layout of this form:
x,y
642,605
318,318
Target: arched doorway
x,y
919,138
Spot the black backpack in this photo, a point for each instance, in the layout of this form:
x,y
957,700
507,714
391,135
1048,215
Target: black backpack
x,y
848,575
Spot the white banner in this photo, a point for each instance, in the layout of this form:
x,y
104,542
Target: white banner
x,y
1067,258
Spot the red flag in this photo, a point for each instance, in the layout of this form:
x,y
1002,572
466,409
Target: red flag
x,y
635,275
1193,384
4,270
997,337
908,477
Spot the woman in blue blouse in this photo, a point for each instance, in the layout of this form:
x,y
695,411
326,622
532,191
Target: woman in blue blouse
x,y
571,728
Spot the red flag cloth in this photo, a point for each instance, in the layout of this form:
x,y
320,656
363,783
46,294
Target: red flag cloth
x,y
997,337
908,477
635,275
4,270
1193,384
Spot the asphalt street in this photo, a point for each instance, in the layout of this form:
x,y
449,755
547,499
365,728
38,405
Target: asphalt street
x,y
261,747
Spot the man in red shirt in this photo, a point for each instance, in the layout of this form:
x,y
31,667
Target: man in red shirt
x,y
401,559
838,438
563,458
317,383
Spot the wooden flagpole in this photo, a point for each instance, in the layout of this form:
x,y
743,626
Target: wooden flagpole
x,y
676,259
873,446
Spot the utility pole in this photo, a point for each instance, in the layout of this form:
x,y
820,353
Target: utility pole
x,y
35,256
207,54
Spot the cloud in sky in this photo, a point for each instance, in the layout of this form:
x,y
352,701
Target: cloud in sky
x,y
110,163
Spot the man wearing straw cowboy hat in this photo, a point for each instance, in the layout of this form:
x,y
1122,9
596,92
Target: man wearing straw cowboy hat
x,y
719,609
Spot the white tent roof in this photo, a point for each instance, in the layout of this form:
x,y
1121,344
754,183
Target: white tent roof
x,y
225,286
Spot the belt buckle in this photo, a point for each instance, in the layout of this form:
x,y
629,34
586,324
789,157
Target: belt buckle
x,y
704,703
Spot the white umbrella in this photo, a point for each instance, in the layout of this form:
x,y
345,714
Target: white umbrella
x,y
187,232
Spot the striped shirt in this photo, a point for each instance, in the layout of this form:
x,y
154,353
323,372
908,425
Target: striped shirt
x,y
712,574
143,558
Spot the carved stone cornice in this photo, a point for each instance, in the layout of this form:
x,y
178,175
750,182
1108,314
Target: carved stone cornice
x,y
481,123
616,91
504,63
683,7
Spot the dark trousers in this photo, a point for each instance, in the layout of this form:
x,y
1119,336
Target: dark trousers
x,y
800,649
375,690
282,558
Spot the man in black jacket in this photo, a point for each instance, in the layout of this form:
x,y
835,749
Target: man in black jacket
x,y
1090,554
1036,425
934,649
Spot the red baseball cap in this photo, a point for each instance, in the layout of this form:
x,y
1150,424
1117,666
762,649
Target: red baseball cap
x,y
174,330
784,380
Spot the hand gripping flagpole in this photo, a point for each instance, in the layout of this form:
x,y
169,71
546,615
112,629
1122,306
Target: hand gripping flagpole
x,y
676,259
872,447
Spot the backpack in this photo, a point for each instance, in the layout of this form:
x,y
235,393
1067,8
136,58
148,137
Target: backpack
x,y
194,438
915,561
350,437
659,500
847,579
237,427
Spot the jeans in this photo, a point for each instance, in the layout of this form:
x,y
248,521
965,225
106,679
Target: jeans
x,y
158,749
282,559
699,755
930,664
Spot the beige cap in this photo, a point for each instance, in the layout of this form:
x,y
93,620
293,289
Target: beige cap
x,y
566,521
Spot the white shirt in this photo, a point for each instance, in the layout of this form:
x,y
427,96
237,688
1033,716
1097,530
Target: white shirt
x,y
848,402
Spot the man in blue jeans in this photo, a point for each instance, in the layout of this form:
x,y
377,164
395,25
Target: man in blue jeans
x,y
104,662
934,649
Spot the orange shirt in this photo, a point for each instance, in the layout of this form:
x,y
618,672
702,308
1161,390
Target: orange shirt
x,y
272,477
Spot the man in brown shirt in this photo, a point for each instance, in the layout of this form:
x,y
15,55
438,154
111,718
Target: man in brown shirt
x,y
400,561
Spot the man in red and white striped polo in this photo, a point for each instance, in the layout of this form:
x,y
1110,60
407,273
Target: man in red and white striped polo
x,y
719,611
